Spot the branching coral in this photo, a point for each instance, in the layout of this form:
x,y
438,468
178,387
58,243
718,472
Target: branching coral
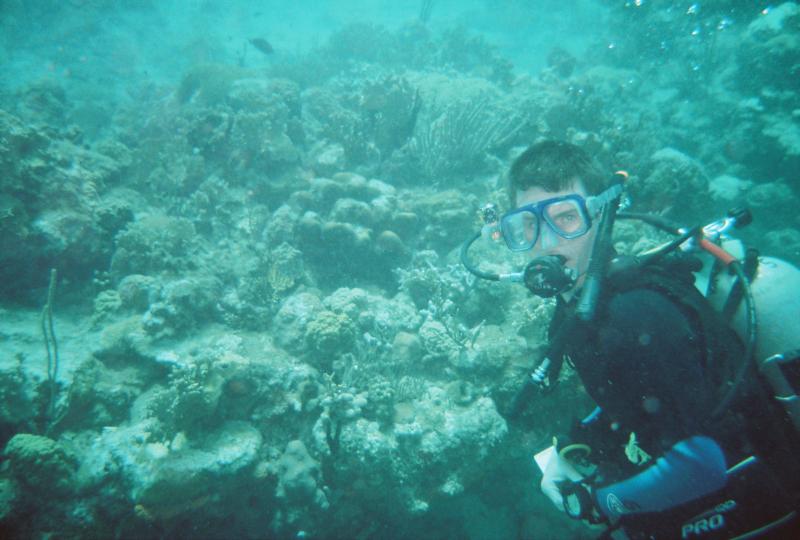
x,y
439,292
456,141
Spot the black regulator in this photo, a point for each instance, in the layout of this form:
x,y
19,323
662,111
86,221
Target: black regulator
x,y
548,276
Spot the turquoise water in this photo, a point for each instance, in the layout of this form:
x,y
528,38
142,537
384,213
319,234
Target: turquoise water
x,y
259,326
133,42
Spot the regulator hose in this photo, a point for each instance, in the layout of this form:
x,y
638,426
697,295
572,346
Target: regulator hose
x,y
471,268
748,363
658,222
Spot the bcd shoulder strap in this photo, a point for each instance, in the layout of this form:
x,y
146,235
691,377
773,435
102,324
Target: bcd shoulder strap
x,y
673,277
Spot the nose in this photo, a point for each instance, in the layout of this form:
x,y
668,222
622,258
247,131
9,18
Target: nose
x,y
547,239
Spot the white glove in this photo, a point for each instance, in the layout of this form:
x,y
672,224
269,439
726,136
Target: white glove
x,y
558,470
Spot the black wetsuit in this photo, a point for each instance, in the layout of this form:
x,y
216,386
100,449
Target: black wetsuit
x,y
656,366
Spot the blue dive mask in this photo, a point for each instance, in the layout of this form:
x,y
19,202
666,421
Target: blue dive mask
x,y
569,217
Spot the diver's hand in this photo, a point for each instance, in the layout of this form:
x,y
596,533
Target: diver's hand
x,y
558,471
579,502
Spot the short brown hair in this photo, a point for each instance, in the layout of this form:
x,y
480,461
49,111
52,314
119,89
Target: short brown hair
x,y
553,166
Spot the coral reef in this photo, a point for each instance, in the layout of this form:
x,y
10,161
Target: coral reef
x,y
41,465
299,479
53,204
676,183
155,244
264,327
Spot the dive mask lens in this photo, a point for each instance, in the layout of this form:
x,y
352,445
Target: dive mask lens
x,y
520,229
547,276
568,218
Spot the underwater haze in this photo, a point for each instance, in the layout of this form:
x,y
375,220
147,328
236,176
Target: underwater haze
x,y
231,303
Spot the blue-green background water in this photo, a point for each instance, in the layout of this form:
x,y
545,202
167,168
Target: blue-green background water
x,y
123,43
262,326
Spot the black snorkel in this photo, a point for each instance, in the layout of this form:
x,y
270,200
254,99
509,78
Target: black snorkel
x,y
601,253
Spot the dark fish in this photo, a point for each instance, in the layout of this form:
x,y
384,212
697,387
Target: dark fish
x,y
425,11
262,45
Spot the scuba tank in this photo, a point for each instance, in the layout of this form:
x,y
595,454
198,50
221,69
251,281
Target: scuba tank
x,y
775,290
775,287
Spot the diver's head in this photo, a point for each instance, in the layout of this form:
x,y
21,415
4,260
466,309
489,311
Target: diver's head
x,y
551,188
553,223
554,166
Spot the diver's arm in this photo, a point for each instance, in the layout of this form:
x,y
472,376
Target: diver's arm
x,y
691,469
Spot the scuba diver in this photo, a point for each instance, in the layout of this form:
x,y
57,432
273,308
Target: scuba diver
x,y
697,426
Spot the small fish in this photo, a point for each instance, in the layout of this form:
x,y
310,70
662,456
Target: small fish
x,y
262,45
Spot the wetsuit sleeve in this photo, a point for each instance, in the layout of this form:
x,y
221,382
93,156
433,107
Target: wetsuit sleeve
x,y
691,469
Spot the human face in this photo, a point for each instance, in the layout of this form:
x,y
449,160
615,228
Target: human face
x,y
576,251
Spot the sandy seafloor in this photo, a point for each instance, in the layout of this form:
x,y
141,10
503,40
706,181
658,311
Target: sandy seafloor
x,y
254,210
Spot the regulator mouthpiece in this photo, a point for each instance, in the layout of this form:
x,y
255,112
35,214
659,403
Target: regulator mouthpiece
x,y
547,276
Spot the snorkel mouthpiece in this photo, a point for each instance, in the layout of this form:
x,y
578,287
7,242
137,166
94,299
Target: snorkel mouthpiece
x,y
547,276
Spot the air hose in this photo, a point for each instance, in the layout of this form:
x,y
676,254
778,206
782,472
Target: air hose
x,y
752,336
471,268
475,271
